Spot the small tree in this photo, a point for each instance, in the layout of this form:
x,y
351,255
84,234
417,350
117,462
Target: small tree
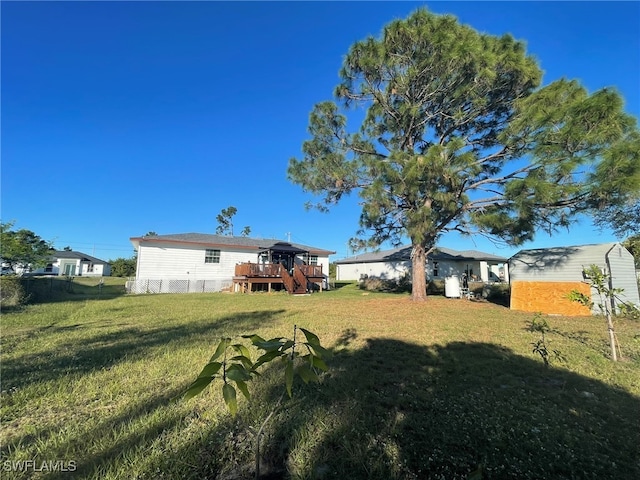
x,y
123,267
232,363
539,325
225,222
607,296
22,248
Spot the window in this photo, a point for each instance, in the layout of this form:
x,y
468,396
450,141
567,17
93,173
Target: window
x,y
90,267
313,259
435,269
212,256
49,268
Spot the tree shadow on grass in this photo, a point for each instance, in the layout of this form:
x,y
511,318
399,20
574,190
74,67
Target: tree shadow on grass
x,y
111,437
395,410
398,410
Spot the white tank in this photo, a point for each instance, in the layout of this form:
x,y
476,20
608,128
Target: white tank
x,y
452,287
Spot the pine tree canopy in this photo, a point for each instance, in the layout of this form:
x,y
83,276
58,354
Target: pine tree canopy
x,y
458,134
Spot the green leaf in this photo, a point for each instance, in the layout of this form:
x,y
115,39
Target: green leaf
x,y
288,378
222,346
210,369
319,351
270,345
311,337
242,350
197,386
254,338
237,372
229,394
243,388
319,363
267,357
306,373
244,360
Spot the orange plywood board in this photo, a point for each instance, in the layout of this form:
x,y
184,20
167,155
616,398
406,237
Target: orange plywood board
x,y
548,297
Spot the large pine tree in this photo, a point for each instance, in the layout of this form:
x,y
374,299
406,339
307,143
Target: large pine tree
x,y
458,135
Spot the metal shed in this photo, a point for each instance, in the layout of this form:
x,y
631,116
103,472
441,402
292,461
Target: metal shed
x,y
541,278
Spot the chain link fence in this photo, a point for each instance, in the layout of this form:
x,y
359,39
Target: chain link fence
x,y
176,286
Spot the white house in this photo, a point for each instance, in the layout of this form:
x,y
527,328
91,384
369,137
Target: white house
x,y
70,263
443,262
542,278
197,262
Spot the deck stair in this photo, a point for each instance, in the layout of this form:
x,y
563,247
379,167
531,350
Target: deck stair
x,y
302,279
295,284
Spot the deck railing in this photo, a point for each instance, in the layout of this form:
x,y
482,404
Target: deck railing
x,y
311,270
274,270
288,281
299,278
259,269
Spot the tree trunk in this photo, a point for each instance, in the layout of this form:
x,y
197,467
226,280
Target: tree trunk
x,y
612,336
418,273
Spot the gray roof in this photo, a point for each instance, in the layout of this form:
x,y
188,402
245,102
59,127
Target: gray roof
x,y
208,239
402,254
592,248
76,256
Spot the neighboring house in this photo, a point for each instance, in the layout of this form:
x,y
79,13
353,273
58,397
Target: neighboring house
x,y
542,278
70,263
197,262
443,262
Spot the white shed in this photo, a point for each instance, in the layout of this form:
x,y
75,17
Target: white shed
x,y
541,278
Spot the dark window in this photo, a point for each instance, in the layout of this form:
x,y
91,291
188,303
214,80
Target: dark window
x,y
212,256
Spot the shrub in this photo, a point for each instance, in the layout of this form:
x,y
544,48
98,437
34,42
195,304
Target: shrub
x,y
497,292
12,292
376,284
435,287
629,311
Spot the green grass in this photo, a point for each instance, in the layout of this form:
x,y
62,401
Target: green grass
x,y
433,390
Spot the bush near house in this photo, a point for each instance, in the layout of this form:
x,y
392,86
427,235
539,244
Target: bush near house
x,y
17,290
12,292
376,284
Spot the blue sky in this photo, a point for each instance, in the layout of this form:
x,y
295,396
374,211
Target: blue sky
x,y
120,118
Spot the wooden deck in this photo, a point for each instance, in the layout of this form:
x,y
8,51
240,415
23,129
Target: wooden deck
x,y
301,280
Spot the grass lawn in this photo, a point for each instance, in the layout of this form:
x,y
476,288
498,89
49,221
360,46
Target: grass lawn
x,y
445,389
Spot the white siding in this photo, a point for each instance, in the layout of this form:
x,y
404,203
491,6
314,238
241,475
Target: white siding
x,y
157,262
396,270
187,263
385,270
622,270
562,264
99,270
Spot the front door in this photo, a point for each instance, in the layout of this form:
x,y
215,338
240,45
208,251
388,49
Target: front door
x,y
69,269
